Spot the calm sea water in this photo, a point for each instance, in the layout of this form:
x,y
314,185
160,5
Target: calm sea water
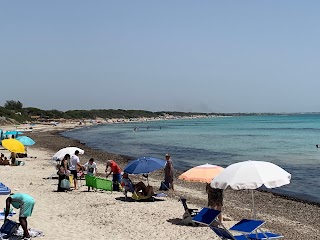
x,y
288,141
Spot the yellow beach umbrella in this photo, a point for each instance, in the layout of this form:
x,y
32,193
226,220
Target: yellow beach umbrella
x,y
13,145
203,173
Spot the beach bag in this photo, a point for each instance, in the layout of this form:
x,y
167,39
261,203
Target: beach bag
x,y
65,183
9,227
164,186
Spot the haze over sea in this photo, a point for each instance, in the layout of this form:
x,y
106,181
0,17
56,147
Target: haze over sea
x,y
286,140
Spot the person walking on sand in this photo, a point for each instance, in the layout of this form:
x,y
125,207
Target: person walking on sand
x,y
168,172
215,199
26,203
74,164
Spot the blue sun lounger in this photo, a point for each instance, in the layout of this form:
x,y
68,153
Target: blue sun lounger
x,y
206,216
252,229
226,234
4,190
248,228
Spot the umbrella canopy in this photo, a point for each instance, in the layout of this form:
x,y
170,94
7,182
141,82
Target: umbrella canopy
x,y
68,150
13,145
26,141
203,173
10,133
251,175
144,165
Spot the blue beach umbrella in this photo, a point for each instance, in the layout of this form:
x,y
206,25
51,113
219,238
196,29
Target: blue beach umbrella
x,y
144,165
10,133
26,140
13,133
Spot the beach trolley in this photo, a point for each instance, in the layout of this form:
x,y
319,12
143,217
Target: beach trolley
x,y
98,183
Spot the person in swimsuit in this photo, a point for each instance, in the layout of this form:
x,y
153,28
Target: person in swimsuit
x,y
25,203
215,199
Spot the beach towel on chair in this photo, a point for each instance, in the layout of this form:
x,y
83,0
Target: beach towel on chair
x,y
138,197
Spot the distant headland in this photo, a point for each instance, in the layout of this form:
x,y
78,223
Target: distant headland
x,y
13,112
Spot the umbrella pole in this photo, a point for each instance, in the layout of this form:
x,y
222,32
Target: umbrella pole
x,y
253,209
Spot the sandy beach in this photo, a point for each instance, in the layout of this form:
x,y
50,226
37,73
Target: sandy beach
x,y
105,215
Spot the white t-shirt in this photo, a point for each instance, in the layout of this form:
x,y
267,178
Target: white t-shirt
x,y
73,162
91,168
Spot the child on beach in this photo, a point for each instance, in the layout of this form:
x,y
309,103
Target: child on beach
x,y
91,168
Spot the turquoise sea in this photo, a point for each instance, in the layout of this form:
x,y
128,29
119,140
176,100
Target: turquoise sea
x,y
286,140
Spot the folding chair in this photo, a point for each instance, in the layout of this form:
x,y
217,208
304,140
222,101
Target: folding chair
x,y
188,214
224,234
250,229
207,216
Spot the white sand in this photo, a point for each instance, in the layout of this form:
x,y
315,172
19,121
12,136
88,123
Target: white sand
x,y
92,215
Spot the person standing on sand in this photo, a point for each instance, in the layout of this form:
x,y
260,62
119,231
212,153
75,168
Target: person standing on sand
x,y
63,172
115,170
26,203
215,199
74,164
91,168
168,172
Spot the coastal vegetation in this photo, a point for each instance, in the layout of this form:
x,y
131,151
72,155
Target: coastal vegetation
x,y
14,112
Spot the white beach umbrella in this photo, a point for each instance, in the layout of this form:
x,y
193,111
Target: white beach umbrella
x,y
251,175
68,150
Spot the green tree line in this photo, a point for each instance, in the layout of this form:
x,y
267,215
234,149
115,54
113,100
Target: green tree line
x,y
15,110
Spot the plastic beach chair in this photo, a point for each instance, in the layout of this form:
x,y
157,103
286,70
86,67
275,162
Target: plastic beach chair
x,y
247,226
207,216
250,229
264,236
224,234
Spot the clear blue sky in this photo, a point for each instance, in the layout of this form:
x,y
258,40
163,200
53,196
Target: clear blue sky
x,y
204,56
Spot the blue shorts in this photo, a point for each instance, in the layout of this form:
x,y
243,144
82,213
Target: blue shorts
x,y
116,178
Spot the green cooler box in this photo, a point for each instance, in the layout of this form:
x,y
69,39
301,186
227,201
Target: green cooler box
x,y
102,183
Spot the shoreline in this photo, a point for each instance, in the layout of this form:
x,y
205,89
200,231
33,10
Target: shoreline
x,y
292,218
180,170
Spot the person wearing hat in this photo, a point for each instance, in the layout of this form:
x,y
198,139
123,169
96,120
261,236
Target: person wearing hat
x,y
168,172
